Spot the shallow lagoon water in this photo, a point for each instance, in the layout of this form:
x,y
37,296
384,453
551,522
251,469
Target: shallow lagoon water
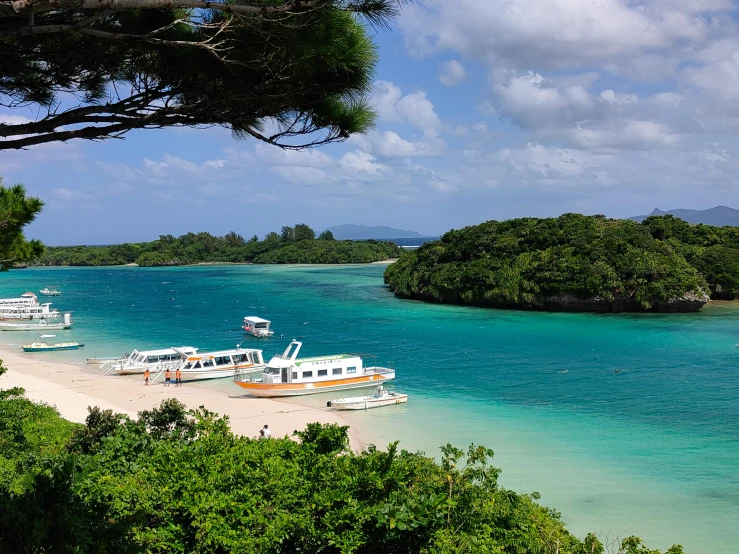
x,y
652,449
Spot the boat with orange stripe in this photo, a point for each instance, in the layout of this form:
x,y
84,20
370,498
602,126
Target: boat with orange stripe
x,y
287,375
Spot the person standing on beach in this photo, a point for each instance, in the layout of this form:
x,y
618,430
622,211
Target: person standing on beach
x,y
146,376
178,378
167,378
267,432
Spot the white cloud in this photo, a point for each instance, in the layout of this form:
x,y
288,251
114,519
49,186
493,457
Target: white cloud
x,y
414,108
361,161
273,155
452,73
389,144
68,195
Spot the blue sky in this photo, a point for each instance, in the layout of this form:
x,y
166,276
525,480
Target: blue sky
x,y
486,110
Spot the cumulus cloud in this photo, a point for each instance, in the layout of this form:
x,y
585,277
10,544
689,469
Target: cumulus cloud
x,y
413,108
451,73
360,161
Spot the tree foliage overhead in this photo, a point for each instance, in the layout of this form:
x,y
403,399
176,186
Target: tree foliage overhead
x,y
575,262
296,246
179,481
96,69
16,211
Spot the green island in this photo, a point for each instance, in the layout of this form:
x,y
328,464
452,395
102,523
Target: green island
x,y
174,480
575,263
294,245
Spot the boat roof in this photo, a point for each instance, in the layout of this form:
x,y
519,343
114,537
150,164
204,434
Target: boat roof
x,y
207,355
164,351
324,358
255,319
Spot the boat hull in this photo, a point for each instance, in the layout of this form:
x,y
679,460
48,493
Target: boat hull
x,y
37,328
52,347
273,390
367,403
213,373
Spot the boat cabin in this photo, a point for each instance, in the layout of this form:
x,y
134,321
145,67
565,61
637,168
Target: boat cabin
x,y
28,311
229,359
257,326
287,368
166,355
25,299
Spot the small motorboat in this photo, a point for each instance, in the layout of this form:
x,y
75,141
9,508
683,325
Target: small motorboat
x,y
40,345
380,398
50,291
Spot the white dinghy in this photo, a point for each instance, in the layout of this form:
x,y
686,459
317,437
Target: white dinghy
x,y
380,398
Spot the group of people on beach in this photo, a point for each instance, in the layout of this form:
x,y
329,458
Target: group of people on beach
x,y
167,377
264,432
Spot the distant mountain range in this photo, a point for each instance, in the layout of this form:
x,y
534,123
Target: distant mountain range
x,y
363,232
719,216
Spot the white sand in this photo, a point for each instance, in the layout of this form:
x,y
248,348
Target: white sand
x,y
72,388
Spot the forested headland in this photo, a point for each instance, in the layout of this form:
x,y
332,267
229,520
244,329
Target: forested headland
x,y
575,263
180,481
293,245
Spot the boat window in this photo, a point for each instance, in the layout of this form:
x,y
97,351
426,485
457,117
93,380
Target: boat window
x,y
152,359
272,371
295,375
307,374
188,365
322,372
240,358
196,366
207,363
336,371
260,326
223,360
352,369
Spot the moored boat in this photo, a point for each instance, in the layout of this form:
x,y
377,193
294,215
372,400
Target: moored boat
x,y
42,325
381,397
257,326
50,291
286,375
218,365
25,299
139,361
29,311
40,345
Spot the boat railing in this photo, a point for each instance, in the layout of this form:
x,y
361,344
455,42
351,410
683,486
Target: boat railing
x,y
378,370
109,366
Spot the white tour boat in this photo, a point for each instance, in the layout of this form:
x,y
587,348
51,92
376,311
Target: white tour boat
x,y
39,311
50,291
139,361
217,365
257,326
25,299
42,325
381,397
286,375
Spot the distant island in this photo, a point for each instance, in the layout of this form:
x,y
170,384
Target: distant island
x,y
575,263
719,216
293,245
363,232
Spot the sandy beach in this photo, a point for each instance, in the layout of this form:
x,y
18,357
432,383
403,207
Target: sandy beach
x,y
72,388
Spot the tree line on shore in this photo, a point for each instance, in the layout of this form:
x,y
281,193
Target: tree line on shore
x,y
575,262
292,245
174,480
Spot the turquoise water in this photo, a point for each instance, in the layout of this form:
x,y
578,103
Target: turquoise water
x,y
652,449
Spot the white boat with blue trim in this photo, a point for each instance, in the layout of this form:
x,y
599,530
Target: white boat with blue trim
x,y
40,345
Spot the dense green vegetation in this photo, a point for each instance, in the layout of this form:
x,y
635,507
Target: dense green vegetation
x,y
178,481
294,245
16,211
575,262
